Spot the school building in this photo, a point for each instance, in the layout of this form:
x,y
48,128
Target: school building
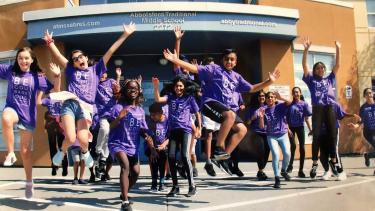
x,y
267,34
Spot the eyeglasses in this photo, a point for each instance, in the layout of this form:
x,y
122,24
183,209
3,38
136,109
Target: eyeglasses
x,y
129,90
75,59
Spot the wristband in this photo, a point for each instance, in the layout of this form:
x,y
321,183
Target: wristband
x,y
48,42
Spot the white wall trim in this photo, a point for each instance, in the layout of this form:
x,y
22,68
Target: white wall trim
x,y
315,48
8,54
336,2
6,2
160,7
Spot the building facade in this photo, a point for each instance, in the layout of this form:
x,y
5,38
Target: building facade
x,y
266,33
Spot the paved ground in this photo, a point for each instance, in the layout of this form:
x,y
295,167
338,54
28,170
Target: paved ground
x,y
214,193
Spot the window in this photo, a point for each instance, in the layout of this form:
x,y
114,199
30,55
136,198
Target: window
x,y
3,95
370,12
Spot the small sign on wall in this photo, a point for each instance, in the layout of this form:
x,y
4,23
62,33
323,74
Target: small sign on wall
x,y
283,90
348,92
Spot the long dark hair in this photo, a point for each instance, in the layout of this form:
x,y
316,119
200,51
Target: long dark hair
x,y
191,88
302,97
124,98
34,67
316,64
254,101
365,90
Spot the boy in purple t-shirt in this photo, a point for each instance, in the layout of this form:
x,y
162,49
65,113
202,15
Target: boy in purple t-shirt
x,y
82,81
105,99
181,104
128,124
158,127
26,84
322,100
221,82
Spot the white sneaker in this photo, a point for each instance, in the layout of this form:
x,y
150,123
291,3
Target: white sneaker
x,y
341,176
327,175
57,158
10,159
89,162
29,190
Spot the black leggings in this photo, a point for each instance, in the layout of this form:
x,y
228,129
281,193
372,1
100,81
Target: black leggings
x,y
370,137
300,132
260,140
324,116
178,136
158,167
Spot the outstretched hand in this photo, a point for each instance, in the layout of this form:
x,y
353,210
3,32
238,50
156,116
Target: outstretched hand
x,y
274,75
306,43
155,82
337,44
55,70
168,55
118,72
129,29
178,32
47,36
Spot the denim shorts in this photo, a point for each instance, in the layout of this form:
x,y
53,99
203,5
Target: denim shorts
x,y
20,125
72,108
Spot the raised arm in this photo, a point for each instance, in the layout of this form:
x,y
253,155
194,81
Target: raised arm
x,y
178,34
56,77
272,78
306,45
261,113
118,74
337,65
128,30
158,99
61,60
172,57
279,97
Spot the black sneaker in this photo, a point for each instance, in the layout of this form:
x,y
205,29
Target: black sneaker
x,y
313,171
224,166
175,190
54,171
289,169
192,191
64,171
367,159
195,172
92,178
210,169
82,182
126,207
285,175
261,176
220,154
277,182
333,167
236,171
301,174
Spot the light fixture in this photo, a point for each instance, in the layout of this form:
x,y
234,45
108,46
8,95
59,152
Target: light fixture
x,y
118,62
163,61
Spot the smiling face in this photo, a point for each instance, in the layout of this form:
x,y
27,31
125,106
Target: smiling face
x,y
24,60
230,61
296,94
319,69
179,88
80,61
270,99
262,98
132,90
369,95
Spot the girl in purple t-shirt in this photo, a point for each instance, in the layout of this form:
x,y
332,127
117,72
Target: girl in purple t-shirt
x,y
322,99
299,111
181,105
128,124
220,84
272,118
367,114
82,81
26,85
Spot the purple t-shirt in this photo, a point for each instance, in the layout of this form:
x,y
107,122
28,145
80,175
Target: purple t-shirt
x,y
367,114
220,85
84,83
179,111
297,113
126,136
254,126
274,119
54,108
158,131
321,89
104,99
22,92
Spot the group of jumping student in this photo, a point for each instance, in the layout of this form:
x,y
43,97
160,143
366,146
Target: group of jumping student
x,y
210,93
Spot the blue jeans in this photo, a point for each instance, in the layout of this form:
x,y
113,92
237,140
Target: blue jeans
x,y
283,142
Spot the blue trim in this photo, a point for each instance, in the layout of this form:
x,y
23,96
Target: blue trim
x,y
260,25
